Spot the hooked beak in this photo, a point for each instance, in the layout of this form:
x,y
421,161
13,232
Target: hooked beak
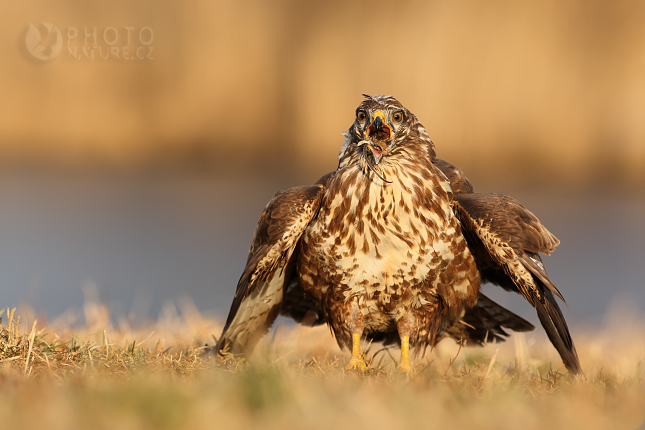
x,y
378,130
378,123
376,140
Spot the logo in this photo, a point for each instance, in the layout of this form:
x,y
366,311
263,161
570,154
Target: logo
x,y
43,41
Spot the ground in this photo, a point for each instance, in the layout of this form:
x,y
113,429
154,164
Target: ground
x,y
99,375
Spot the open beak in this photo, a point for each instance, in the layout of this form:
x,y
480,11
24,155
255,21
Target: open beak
x,y
378,130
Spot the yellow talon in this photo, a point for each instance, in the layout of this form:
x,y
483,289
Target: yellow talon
x,y
404,364
357,361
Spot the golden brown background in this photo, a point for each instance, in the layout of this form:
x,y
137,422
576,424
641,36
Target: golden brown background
x,y
243,98
554,87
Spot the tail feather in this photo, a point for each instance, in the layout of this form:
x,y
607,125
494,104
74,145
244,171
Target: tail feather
x,y
486,323
301,306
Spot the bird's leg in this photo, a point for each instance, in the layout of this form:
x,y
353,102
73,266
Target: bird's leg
x,y
357,362
404,326
355,323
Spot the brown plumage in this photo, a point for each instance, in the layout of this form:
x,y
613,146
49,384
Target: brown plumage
x,y
393,246
507,239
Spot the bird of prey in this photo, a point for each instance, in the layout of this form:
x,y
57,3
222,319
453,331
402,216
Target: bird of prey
x,y
392,246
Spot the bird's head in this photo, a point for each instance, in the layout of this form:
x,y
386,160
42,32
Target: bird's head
x,y
381,128
381,122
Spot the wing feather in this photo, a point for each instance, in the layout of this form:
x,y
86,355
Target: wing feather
x,y
506,238
510,234
260,290
458,181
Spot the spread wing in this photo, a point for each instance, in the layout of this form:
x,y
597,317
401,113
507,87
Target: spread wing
x,y
269,267
506,240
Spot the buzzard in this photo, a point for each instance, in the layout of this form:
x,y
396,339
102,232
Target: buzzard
x,y
393,246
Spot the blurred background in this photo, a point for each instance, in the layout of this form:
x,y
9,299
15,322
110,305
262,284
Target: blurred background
x,y
140,140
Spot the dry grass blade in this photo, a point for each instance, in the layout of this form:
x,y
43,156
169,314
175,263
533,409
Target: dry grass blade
x,y
127,378
456,355
32,335
490,365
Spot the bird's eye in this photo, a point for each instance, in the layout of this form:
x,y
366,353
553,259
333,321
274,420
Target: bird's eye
x,y
360,115
398,117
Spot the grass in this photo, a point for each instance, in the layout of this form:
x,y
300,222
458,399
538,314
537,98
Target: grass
x,y
65,376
